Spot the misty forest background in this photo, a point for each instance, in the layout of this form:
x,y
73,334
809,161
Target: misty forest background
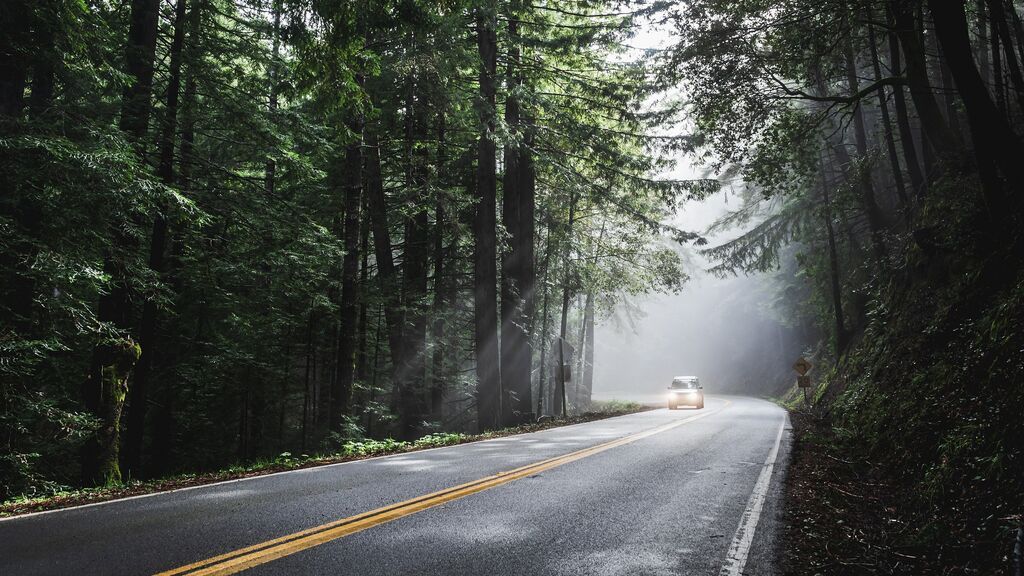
x,y
236,228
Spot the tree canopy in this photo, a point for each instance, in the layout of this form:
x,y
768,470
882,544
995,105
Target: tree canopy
x,y
315,221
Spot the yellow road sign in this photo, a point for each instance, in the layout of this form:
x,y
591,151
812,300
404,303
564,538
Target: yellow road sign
x,y
802,366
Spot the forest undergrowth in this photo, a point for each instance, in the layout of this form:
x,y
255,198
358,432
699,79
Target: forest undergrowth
x,y
348,451
910,459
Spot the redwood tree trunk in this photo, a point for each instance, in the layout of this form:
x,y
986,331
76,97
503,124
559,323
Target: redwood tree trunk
x,y
20,204
981,29
997,68
441,297
1001,27
917,180
13,63
560,394
543,342
867,192
164,425
946,91
994,139
139,54
270,169
364,272
138,397
517,263
386,272
43,72
485,294
415,260
114,306
890,141
833,266
932,121
587,384
341,395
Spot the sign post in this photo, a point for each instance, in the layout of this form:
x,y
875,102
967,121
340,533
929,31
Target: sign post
x,y
802,367
563,352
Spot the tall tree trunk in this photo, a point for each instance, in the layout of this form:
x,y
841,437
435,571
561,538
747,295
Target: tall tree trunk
x,y
1002,28
364,273
1018,28
306,395
282,393
526,247
341,395
999,86
516,351
383,255
270,169
441,296
994,139
833,265
890,141
43,73
21,204
139,54
543,339
375,366
114,305
415,260
842,157
981,29
485,296
863,175
946,90
24,208
164,425
917,181
14,41
138,397
577,384
587,374
932,122
116,359
587,342
561,399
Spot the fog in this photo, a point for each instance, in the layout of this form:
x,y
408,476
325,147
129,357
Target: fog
x,y
722,330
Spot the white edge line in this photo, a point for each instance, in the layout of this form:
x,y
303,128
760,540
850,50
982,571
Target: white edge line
x,y
321,466
736,558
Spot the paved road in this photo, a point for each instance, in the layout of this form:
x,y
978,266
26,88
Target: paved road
x,y
660,492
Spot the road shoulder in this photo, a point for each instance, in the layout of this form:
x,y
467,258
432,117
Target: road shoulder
x,y
841,516
286,463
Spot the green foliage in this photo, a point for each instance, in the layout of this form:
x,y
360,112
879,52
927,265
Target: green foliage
x,y
615,406
60,496
238,312
934,398
910,300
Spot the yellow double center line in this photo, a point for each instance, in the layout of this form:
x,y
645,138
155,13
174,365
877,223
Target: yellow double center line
x,y
270,550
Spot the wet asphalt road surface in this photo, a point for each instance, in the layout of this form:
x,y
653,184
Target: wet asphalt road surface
x,y
674,502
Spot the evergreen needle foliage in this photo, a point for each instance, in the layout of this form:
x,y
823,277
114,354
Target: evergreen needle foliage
x,y
288,208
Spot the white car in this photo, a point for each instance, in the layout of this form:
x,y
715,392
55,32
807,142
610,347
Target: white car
x,y
685,391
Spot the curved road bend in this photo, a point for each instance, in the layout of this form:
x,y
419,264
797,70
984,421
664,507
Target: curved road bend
x,y
659,492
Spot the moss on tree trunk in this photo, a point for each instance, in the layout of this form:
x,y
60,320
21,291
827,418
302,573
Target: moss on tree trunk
x,y
116,359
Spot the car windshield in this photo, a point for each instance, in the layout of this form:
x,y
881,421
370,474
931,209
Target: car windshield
x,y
684,384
